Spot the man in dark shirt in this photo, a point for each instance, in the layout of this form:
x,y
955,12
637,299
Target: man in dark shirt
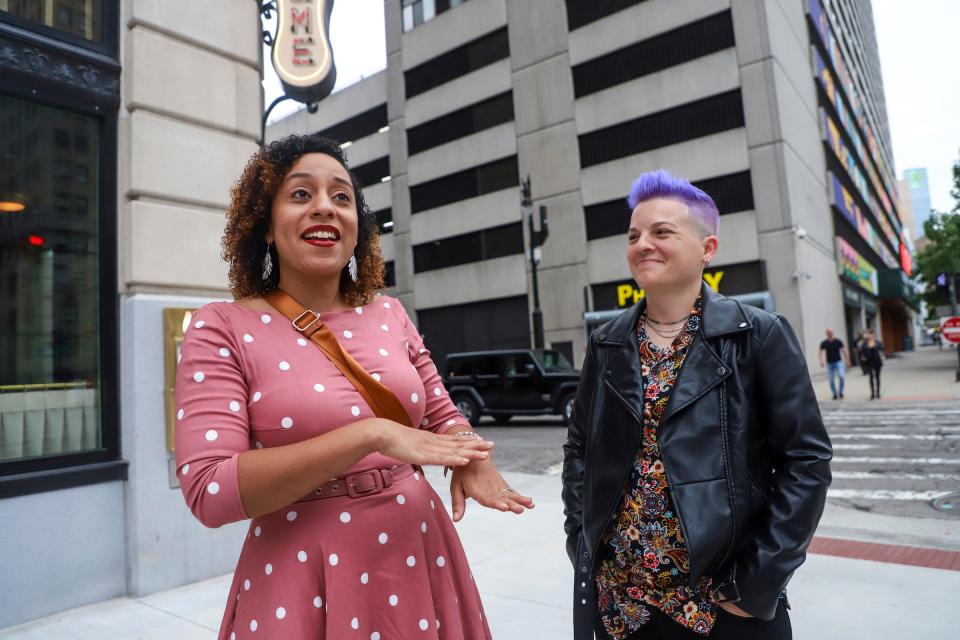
x,y
834,356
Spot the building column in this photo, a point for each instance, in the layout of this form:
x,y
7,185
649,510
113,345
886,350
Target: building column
x,y
548,152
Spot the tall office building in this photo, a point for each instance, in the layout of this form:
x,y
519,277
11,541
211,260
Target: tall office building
x,y
774,108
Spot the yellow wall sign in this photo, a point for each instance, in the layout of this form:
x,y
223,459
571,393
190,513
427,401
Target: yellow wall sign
x,y
302,55
628,294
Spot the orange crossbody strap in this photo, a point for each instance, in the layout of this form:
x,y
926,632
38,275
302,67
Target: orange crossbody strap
x,y
380,399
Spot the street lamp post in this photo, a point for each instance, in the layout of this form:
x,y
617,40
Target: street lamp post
x,y
536,241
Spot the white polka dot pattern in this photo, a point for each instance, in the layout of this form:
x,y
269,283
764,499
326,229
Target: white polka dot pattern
x,y
254,376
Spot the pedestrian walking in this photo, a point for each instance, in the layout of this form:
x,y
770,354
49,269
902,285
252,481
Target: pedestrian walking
x,y
679,524
872,357
307,405
857,346
833,355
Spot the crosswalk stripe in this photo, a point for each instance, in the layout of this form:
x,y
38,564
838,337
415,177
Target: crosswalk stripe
x,y
885,494
880,475
955,461
893,436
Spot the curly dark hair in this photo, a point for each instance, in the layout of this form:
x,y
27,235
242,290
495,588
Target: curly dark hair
x,y
248,221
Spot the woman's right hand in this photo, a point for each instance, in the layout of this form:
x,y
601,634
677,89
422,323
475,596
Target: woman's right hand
x,y
415,446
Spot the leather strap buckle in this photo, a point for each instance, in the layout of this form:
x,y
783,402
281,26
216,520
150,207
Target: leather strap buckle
x,y
359,485
300,318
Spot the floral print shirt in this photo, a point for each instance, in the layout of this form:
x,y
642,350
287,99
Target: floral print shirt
x,y
644,561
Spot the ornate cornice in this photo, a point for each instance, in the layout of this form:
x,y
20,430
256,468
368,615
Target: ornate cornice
x,y
61,65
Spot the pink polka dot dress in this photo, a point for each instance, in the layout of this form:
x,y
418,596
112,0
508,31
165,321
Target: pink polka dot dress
x,y
384,566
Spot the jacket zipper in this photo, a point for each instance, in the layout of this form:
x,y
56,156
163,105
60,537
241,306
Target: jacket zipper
x,y
726,454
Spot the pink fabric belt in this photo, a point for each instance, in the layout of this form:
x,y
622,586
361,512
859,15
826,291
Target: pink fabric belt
x,y
360,485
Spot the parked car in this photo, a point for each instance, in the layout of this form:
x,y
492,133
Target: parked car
x,y
516,382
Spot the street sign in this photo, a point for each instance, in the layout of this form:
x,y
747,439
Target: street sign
x,y
950,329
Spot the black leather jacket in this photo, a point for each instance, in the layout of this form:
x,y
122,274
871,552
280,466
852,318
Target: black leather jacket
x,y
744,447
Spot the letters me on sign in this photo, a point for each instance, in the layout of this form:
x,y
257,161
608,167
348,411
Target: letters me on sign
x,y
302,55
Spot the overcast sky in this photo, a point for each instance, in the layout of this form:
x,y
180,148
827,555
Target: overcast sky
x,y
918,53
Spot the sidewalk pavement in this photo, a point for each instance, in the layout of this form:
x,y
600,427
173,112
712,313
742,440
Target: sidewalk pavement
x,y
526,581
921,375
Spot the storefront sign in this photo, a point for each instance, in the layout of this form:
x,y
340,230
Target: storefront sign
x,y
855,268
302,55
906,260
831,133
820,22
851,298
734,279
849,126
845,204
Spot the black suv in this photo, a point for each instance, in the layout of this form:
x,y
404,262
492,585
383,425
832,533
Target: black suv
x,y
518,382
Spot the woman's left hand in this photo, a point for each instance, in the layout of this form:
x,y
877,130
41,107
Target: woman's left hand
x,y
481,481
733,609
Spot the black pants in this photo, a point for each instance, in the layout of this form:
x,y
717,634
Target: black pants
x,y
728,627
874,372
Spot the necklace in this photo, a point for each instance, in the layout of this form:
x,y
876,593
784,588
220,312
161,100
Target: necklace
x,y
658,322
667,333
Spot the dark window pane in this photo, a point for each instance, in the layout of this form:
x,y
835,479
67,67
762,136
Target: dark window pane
x,y
502,241
457,62
581,12
372,172
665,50
465,184
79,17
502,323
469,247
359,126
605,219
463,122
49,295
390,273
385,220
678,124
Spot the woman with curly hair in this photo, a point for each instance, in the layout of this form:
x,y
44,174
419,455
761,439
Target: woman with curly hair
x,y
346,534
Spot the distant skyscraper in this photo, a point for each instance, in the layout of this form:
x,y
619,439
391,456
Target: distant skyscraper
x,y
919,196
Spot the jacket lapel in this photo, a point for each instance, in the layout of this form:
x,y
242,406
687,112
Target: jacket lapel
x,y
702,370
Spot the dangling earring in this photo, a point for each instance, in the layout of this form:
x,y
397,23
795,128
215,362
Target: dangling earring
x,y
706,264
267,264
352,267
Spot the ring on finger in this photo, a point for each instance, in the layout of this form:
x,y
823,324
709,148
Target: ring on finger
x,y
507,490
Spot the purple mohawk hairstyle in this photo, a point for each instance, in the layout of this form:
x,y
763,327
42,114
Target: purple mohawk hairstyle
x,y
663,184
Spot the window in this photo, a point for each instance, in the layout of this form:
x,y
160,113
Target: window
x,y
501,323
372,172
359,126
469,183
487,244
457,62
385,219
515,365
80,18
731,193
476,117
50,355
660,52
580,12
416,12
390,273
678,124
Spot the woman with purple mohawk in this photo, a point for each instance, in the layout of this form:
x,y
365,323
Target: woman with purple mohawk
x,y
697,464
